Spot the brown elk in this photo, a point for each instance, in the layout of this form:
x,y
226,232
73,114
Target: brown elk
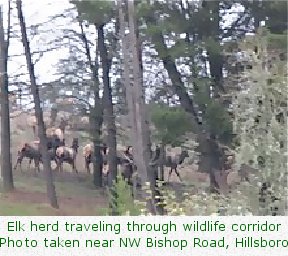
x,y
65,154
31,151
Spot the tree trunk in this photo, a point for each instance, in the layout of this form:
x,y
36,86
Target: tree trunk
x,y
187,104
6,162
51,192
162,161
96,114
96,121
216,60
109,118
128,89
210,161
141,123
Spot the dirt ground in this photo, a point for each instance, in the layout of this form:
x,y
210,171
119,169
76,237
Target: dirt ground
x,y
75,193
78,206
76,196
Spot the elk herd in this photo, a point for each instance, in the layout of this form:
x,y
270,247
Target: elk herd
x,y
56,148
60,153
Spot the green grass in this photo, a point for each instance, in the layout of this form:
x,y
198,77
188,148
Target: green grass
x,y
23,209
64,188
75,198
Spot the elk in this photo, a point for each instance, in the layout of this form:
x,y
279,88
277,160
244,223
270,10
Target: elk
x,y
65,154
31,151
88,151
173,161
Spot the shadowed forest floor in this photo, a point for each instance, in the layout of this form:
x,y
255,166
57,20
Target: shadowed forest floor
x,y
76,194
74,197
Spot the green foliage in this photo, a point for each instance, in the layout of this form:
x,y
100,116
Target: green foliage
x,y
273,12
145,11
213,47
153,30
177,21
261,123
277,41
180,49
95,12
171,123
218,119
205,204
121,199
202,94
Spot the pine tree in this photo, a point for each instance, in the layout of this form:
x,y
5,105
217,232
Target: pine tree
x,y
261,124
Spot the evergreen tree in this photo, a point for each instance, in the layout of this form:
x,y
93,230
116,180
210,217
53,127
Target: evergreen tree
x,y
261,125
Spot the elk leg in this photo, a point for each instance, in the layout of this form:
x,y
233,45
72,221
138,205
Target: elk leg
x,y
244,178
17,162
74,167
87,166
130,174
178,174
123,175
214,186
58,165
169,175
61,162
34,130
74,162
37,164
30,162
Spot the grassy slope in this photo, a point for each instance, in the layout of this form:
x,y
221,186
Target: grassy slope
x,y
75,198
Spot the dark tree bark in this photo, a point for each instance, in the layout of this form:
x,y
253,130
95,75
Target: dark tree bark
x,y
51,192
6,163
162,161
109,118
96,121
140,123
216,60
96,114
187,104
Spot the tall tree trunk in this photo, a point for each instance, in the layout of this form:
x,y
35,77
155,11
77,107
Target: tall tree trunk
x,y
162,161
127,64
96,120
109,118
216,60
6,163
143,152
96,114
187,104
178,87
51,192
126,51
